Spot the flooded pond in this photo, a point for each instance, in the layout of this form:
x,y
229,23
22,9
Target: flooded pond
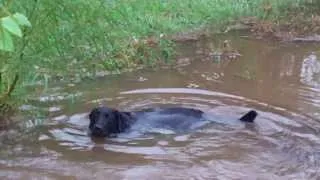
x,y
279,80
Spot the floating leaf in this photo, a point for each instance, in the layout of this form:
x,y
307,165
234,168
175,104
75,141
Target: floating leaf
x,y
6,42
22,19
11,25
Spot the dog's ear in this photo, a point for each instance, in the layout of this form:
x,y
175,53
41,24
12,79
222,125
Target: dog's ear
x,y
92,117
122,120
93,113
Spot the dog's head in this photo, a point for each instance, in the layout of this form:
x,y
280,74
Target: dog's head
x,y
105,122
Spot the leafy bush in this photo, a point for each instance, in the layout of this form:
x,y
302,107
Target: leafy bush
x,y
72,39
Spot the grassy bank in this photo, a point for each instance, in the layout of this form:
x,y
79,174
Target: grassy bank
x,y
74,39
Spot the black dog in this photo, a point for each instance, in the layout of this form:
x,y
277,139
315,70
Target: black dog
x,y
106,122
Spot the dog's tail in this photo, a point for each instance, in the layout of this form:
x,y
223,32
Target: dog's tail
x,y
249,117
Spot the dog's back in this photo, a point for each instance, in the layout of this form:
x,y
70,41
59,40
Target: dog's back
x,y
176,119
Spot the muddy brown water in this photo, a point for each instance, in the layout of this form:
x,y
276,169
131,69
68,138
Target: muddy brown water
x,y
280,80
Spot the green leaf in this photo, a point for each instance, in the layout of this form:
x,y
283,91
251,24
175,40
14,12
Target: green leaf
x,y
22,19
6,42
11,25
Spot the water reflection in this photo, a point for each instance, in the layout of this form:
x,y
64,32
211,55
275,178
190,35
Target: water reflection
x,y
310,71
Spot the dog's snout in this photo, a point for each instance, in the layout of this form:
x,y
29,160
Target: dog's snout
x,y
98,131
97,128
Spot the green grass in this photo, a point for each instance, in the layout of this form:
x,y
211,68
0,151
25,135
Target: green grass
x,y
73,39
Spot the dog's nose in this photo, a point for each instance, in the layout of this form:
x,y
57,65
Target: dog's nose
x,y
98,131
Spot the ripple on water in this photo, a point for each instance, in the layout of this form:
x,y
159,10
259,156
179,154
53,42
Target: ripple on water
x,y
281,83
270,131
279,145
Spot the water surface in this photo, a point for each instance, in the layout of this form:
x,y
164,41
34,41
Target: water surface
x,y
281,81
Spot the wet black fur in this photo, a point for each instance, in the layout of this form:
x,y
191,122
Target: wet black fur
x,y
106,121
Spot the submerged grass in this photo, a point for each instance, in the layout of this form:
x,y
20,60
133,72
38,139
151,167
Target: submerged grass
x,y
74,39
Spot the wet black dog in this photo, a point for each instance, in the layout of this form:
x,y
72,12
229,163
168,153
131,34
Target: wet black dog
x,y
107,122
